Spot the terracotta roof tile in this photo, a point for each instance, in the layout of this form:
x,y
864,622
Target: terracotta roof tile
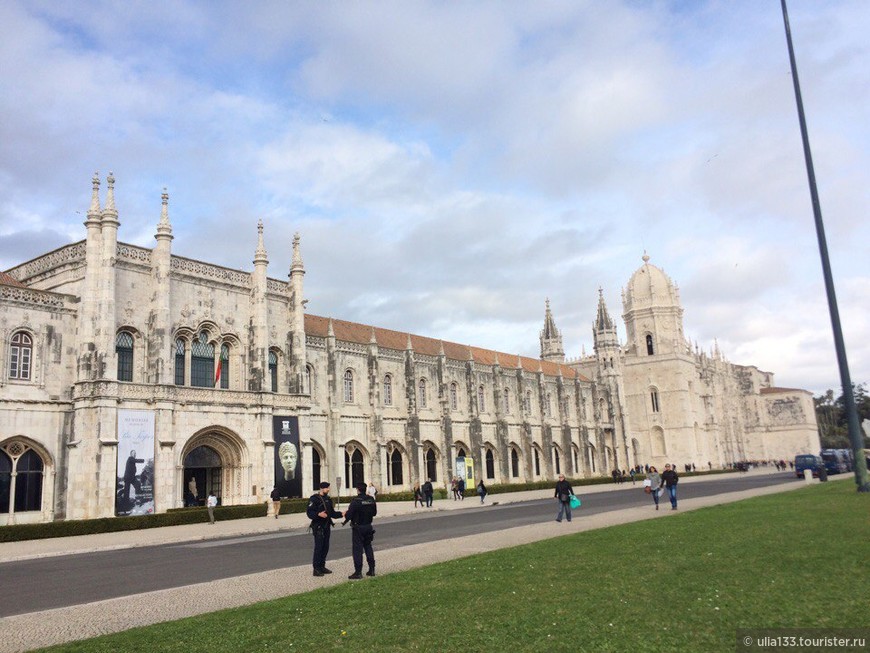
x,y
8,280
770,391
318,326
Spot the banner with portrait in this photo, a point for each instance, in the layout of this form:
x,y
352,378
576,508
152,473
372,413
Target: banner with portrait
x,y
134,489
288,458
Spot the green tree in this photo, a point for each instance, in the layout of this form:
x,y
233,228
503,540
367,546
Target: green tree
x,y
831,417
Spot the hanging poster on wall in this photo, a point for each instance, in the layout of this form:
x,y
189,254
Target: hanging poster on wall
x,y
288,462
134,488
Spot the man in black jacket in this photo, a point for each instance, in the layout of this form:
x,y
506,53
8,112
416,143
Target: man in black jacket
x,y
321,513
428,491
670,478
359,513
563,496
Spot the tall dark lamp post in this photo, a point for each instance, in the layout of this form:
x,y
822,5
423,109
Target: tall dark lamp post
x,y
846,381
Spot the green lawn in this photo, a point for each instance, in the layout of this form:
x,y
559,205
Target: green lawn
x,y
681,583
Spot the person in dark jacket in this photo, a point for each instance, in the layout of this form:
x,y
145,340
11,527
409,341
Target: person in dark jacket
x,y
563,496
481,490
670,478
359,513
321,513
428,491
276,501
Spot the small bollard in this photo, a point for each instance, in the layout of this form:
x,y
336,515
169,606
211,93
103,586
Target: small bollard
x,y
808,476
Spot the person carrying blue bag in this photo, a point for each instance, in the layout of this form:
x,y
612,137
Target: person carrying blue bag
x,y
563,495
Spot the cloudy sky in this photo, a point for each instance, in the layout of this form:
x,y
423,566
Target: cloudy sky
x,y
451,165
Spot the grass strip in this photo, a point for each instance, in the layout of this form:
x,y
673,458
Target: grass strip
x,y
686,582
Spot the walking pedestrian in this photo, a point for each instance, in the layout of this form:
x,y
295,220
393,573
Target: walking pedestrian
x,y
276,501
655,484
460,488
211,504
321,513
563,496
633,474
359,513
372,491
428,491
418,495
481,491
669,476
454,486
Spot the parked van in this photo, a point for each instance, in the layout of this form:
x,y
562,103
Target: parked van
x,y
807,461
836,461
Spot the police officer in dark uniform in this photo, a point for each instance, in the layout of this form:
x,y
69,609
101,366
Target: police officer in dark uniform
x,y
360,513
321,513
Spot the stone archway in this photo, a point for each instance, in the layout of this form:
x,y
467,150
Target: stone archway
x,y
216,459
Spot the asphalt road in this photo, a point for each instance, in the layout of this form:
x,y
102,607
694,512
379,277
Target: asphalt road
x,y
45,583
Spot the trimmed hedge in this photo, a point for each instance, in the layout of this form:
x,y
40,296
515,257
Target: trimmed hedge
x,y
199,515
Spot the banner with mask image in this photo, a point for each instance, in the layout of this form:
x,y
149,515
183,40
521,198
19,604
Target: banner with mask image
x,y
288,461
134,490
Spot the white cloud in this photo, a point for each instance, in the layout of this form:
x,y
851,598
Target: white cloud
x,y
450,165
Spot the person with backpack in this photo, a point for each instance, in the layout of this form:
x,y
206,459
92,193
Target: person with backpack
x,y
481,491
563,496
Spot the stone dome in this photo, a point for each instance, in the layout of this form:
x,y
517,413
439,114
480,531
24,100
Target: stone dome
x,y
649,286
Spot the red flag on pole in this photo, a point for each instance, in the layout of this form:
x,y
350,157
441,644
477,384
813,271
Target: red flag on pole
x,y
217,373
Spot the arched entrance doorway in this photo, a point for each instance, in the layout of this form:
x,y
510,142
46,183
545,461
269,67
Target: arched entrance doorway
x,y
203,470
214,460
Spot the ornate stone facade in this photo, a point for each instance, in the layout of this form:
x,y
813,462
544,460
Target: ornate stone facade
x,y
99,327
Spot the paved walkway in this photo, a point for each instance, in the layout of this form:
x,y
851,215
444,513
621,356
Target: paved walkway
x,y
29,631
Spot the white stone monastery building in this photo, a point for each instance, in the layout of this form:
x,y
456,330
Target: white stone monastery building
x,y
99,330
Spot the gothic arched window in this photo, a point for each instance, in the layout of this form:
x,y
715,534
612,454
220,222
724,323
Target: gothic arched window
x,y
650,350
422,400
537,458
202,370
490,464
394,468
225,367
388,390
273,370
515,463
20,355
654,398
124,352
28,470
179,362
431,465
348,387
353,468
315,469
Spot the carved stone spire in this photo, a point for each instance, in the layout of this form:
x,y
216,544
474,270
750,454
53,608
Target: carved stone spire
x,y
260,253
373,340
296,265
94,212
603,321
164,229
110,213
551,338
